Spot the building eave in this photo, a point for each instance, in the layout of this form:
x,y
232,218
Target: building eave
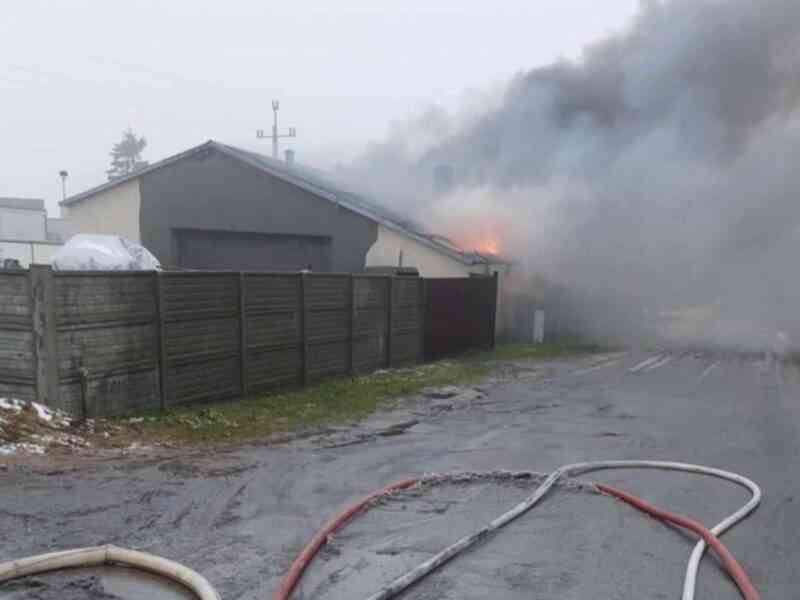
x,y
108,185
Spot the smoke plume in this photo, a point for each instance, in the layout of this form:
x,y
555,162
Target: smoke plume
x,y
661,171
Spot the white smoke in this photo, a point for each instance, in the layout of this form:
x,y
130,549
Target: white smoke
x,y
659,171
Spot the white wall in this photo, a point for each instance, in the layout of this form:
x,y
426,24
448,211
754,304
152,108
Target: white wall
x,y
21,224
113,212
43,253
27,252
19,250
386,250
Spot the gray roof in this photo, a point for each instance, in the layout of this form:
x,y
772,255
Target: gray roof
x,y
22,203
321,184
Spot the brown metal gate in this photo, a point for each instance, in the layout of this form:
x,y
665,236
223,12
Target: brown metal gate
x,y
460,315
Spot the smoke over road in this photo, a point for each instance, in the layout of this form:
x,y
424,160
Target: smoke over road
x,y
660,170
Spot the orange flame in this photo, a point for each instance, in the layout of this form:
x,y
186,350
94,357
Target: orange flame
x,y
480,234
488,245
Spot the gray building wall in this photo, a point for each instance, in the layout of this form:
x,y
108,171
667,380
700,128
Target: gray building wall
x,y
215,193
23,219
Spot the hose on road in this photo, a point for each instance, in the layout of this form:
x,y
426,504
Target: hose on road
x,y
88,557
107,555
429,566
310,550
730,563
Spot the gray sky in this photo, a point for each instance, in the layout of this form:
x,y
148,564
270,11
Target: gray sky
x,y
75,73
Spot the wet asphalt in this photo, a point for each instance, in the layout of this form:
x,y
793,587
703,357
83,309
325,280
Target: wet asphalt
x,y
240,515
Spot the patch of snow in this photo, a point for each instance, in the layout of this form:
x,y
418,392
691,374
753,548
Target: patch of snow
x,y
9,449
48,415
11,404
61,439
43,412
52,416
138,446
135,420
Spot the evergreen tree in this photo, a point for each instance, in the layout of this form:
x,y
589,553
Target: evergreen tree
x,y
126,155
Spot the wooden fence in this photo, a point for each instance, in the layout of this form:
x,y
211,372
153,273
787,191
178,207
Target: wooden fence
x,y
102,343
460,315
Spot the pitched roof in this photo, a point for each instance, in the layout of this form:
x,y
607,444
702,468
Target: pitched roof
x,y
321,184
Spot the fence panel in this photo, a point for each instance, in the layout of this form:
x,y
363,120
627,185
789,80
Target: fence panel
x,y
370,322
408,311
273,330
202,343
17,358
460,315
327,329
106,327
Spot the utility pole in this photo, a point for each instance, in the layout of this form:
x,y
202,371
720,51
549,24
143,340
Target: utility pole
x,y
275,135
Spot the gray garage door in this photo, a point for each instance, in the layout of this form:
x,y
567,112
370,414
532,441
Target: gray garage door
x,y
223,250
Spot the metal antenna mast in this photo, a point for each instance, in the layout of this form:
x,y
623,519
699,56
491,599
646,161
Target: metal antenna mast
x,y
275,135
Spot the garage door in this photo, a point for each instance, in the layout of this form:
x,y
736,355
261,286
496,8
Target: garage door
x,y
223,250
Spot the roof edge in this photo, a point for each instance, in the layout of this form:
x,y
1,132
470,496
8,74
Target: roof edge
x,y
136,174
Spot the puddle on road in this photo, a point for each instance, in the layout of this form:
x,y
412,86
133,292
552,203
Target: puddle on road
x,y
99,583
129,584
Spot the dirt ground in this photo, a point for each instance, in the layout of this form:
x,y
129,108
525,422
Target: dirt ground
x,y
240,514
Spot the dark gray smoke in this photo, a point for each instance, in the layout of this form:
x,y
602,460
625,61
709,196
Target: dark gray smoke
x,y
661,171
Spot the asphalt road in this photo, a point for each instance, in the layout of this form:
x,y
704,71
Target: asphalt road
x,y
240,516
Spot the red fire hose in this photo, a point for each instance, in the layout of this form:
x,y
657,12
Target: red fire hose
x,y
730,563
305,557
310,550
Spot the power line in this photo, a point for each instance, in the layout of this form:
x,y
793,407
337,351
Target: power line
x,y
172,78
162,74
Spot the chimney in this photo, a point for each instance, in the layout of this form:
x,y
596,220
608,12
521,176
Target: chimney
x,y
63,175
443,179
289,157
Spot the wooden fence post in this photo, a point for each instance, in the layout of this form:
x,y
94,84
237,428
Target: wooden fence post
x,y
162,341
494,304
304,328
243,333
352,323
389,302
45,343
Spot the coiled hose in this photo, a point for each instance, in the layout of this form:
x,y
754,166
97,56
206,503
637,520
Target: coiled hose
x,y
88,557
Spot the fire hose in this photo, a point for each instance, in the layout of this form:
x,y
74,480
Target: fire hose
x,y
204,591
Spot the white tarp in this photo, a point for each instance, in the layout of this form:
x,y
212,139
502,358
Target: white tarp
x,y
94,252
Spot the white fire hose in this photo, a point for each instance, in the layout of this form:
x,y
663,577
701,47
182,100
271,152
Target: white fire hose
x,y
104,555
690,579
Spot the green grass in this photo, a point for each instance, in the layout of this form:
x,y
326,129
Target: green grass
x,y
332,401
521,351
